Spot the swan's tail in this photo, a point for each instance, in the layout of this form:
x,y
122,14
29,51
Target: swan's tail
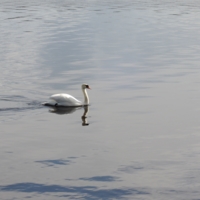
x,y
50,103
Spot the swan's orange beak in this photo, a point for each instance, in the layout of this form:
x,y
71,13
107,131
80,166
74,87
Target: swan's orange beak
x,y
87,86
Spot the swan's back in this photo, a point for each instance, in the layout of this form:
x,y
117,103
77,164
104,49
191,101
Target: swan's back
x,y
64,100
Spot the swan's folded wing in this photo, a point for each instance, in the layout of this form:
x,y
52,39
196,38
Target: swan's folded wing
x,y
65,100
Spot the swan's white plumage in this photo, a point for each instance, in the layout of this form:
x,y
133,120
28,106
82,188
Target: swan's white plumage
x,y
64,100
68,100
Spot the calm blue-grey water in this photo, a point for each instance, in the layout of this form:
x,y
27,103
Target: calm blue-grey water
x,y
141,137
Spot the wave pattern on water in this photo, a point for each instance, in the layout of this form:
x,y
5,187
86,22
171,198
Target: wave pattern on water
x,y
13,107
141,58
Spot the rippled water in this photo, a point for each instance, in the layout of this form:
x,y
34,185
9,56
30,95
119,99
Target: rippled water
x,y
140,139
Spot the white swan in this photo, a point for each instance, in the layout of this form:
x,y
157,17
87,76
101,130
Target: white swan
x,y
68,100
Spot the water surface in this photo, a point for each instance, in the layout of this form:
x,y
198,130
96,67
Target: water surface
x,y
140,139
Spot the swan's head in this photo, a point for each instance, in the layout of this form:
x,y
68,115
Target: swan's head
x,y
85,86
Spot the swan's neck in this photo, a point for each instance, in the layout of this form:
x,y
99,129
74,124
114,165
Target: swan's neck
x,y
86,98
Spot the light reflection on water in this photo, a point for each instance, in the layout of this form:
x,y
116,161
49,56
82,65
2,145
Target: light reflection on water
x,y
141,59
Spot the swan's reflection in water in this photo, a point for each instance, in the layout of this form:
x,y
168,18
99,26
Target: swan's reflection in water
x,y
70,110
